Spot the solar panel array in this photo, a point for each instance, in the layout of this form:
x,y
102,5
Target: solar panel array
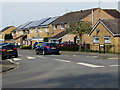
x,y
36,23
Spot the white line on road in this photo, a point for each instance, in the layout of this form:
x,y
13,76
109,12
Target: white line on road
x,y
16,59
74,55
42,57
62,60
92,56
113,58
30,57
13,61
113,65
89,65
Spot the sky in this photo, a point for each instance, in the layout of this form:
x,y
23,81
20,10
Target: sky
x,y
17,13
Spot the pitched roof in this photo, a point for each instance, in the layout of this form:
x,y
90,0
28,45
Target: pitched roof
x,y
59,35
22,26
6,28
72,17
79,15
111,24
113,12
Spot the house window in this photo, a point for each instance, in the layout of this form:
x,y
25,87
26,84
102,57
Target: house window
x,y
17,32
107,39
41,29
55,27
0,35
31,30
21,32
95,39
62,26
47,30
36,30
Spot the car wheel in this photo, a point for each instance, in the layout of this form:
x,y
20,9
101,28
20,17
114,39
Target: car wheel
x,y
57,53
37,53
3,58
16,56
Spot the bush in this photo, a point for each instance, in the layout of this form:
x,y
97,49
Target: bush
x,y
69,48
26,47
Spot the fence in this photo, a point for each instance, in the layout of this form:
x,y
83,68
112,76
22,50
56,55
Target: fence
x,y
101,48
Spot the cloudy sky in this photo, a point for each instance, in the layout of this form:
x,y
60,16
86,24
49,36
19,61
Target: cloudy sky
x,y
16,13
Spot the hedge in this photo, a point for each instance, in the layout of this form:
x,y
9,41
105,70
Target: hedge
x,y
69,48
26,47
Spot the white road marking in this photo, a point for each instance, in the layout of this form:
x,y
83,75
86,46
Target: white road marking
x,y
30,57
16,59
42,57
89,65
92,56
62,60
74,55
13,62
113,58
113,65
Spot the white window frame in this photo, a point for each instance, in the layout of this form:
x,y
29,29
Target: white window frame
x,y
47,30
41,29
21,32
31,30
94,39
62,26
107,39
36,30
54,27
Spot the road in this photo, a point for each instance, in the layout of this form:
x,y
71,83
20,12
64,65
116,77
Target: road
x,y
61,71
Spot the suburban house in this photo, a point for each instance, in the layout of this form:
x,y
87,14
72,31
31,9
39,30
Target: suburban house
x,y
6,30
19,34
106,35
33,31
90,15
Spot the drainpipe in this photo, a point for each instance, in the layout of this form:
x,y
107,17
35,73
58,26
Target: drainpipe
x,y
92,18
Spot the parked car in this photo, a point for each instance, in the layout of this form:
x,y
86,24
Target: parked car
x,y
68,44
36,44
47,48
7,51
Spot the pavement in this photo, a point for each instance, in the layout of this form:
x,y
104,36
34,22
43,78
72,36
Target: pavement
x,y
6,65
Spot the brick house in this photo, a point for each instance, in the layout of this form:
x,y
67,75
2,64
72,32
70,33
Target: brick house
x,y
6,30
34,31
106,32
90,15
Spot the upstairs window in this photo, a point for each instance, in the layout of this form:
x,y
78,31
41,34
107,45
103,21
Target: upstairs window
x,y
107,39
31,30
95,39
62,26
41,29
47,30
54,27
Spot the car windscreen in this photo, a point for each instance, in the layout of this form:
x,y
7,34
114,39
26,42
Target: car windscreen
x,y
52,44
8,47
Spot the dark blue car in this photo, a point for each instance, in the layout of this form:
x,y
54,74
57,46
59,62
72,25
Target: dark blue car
x,y
47,48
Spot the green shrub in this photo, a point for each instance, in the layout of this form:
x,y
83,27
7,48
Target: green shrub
x,y
26,47
69,48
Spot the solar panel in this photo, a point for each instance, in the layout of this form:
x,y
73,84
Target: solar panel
x,y
37,23
49,21
23,25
